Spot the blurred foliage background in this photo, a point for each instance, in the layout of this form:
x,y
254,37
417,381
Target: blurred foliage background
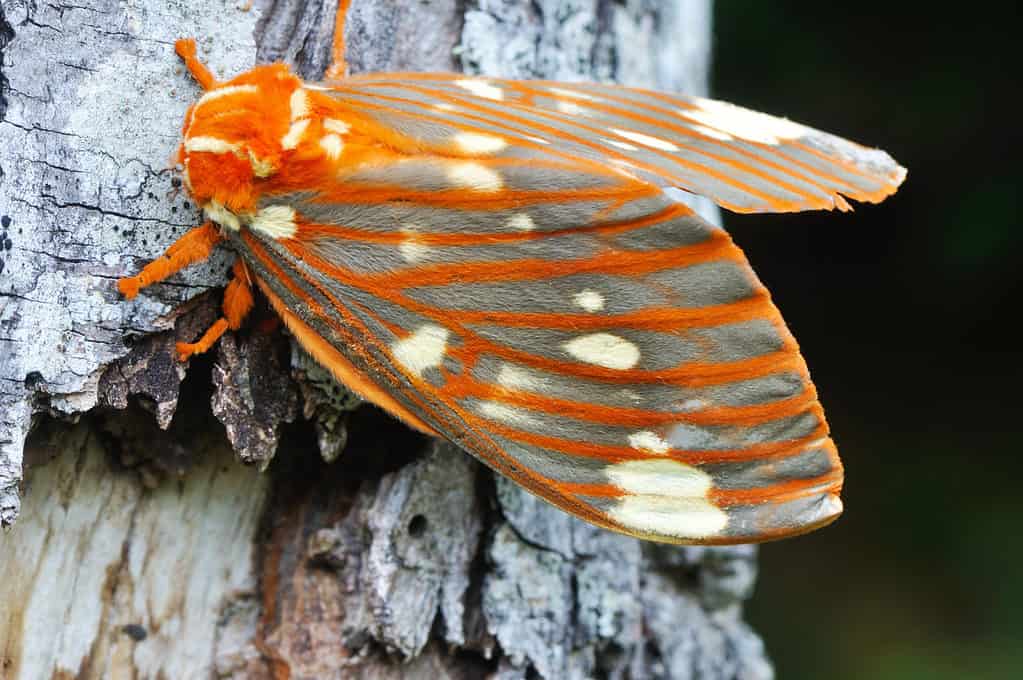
x,y
906,312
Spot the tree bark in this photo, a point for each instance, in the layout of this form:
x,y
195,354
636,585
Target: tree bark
x,y
142,548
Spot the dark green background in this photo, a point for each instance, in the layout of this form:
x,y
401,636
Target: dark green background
x,y
907,314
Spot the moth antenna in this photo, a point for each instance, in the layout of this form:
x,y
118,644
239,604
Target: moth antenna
x,y
338,68
185,47
237,304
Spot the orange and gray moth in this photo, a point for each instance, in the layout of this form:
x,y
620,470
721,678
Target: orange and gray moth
x,y
497,262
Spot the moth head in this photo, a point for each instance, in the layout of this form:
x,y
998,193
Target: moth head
x,y
240,134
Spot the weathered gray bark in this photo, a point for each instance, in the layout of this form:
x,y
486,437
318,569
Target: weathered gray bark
x,y
142,549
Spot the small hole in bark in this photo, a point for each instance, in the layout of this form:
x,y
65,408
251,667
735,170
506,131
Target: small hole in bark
x,y
417,526
135,632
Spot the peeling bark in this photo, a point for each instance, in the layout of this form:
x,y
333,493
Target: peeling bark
x,y
158,553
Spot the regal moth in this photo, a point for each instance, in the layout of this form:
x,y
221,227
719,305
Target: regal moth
x,y
503,263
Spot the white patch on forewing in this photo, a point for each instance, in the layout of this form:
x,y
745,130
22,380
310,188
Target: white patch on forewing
x,y
521,221
422,350
651,442
216,212
659,477
478,144
590,300
275,221
474,176
299,103
645,140
669,516
332,145
335,125
666,497
505,413
743,123
570,108
690,405
621,145
515,378
226,92
294,135
411,249
604,349
565,92
538,140
210,145
712,133
481,88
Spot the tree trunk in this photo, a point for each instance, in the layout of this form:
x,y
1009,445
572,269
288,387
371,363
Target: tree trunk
x,y
143,549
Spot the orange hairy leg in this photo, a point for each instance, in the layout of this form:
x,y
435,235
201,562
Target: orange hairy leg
x,y
237,304
339,66
195,246
185,49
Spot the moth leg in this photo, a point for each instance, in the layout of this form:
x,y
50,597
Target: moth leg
x,y
195,246
338,68
185,47
237,305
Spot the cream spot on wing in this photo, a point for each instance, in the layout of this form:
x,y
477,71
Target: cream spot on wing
x,y
604,349
481,88
538,140
690,405
664,496
590,300
444,106
521,221
505,413
476,143
565,92
474,176
516,378
659,477
645,140
294,136
712,133
421,350
570,108
220,92
299,103
649,441
337,126
332,145
743,123
683,518
412,249
210,145
621,145
316,87
216,212
275,221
